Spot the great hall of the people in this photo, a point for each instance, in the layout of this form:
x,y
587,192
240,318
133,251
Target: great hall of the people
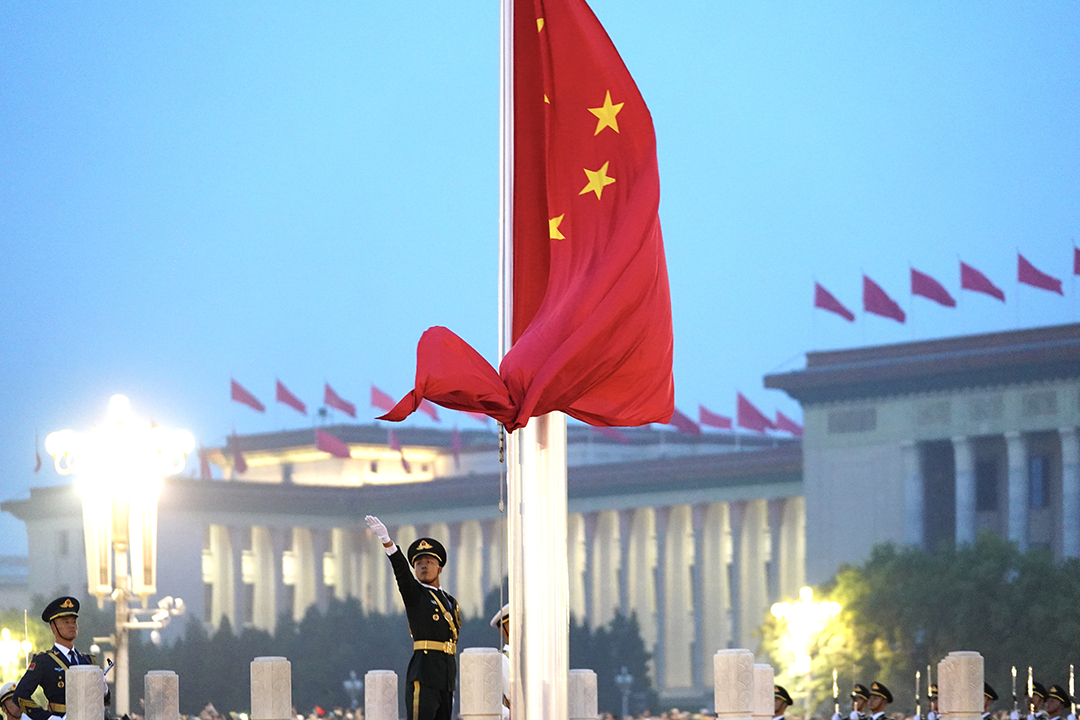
x,y
919,443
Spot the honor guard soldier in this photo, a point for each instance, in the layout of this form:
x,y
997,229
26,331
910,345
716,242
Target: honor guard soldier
x,y
879,698
781,702
12,711
501,620
932,699
1057,700
434,620
859,697
47,670
989,697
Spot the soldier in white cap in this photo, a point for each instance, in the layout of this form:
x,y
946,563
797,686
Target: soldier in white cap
x,y
501,620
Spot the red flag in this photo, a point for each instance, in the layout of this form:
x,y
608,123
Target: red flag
x,y
204,464
708,417
826,301
381,400
242,396
332,399
428,409
1076,260
612,433
591,318
328,443
455,446
783,422
282,395
1030,275
239,463
478,417
876,301
683,423
749,417
972,279
926,286
395,445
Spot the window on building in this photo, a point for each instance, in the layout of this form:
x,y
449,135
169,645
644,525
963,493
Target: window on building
x,y
986,484
1038,494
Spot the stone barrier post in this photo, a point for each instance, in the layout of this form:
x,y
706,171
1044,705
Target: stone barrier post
x,y
763,692
733,684
960,686
85,692
271,689
381,695
481,683
161,693
581,695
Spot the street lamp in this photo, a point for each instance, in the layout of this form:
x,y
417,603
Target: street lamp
x,y
118,468
624,680
353,687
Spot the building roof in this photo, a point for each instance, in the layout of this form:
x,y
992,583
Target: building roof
x,y
991,359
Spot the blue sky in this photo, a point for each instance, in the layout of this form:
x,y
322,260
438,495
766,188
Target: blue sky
x,y
264,190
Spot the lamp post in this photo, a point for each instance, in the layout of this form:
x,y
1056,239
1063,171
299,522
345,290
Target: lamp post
x,y
804,619
353,687
118,468
624,680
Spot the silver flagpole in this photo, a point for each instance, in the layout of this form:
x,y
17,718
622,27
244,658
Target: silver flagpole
x,y
536,483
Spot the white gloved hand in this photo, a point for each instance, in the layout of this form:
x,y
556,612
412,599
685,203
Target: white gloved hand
x,y
1071,717
58,717
854,715
932,715
916,716
836,716
1014,715
377,528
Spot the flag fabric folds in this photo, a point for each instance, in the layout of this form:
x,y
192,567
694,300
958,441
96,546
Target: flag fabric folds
x,y
1030,275
242,396
827,301
972,279
783,422
329,444
927,287
716,420
283,395
749,417
591,316
381,400
682,422
332,399
877,301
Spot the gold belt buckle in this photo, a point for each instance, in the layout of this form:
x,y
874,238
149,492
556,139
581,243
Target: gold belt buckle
x,y
450,649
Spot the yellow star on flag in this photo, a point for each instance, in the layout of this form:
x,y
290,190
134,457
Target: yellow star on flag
x,y
597,180
553,228
606,115
539,24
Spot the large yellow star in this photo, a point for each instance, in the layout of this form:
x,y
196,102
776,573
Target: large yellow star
x,y
553,228
597,180
606,115
539,24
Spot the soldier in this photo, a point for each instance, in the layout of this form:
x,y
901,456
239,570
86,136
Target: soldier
x,y
1057,699
859,697
501,620
989,696
879,698
7,701
434,620
781,702
932,700
47,669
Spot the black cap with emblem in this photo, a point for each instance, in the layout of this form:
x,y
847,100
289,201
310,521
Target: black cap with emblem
x,y
427,546
877,688
860,691
60,607
780,693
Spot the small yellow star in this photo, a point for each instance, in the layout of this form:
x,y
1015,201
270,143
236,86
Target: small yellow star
x,y
539,24
597,180
553,228
606,115
546,99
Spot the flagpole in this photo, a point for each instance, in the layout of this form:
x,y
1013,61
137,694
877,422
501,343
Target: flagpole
x,y
536,481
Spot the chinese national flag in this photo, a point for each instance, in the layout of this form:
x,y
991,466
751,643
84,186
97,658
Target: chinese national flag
x,y
591,319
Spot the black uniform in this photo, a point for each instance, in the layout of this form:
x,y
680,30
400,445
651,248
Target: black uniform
x,y
434,618
47,670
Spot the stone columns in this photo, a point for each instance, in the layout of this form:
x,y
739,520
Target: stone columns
x,y
271,689
304,574
468,568
481,683
914,494
754,547
679,627
791,547
1070,492
264,575
606,557
575,565
85,693
381,695
763,704
715,568
641,573
218,571
733,684
960,686
581,695
964,461
161,693
1016,450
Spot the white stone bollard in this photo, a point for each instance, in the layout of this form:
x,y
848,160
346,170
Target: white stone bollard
x,y
763,692
581,695
381,695
84,692
960,686
161,694
733,684
271,689
481,683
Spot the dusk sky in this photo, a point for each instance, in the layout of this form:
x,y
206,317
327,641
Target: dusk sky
x,y
198,191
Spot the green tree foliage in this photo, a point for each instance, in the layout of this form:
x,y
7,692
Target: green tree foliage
x,y
904,608
608,649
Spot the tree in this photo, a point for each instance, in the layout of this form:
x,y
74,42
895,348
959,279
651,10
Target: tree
x,y
606,650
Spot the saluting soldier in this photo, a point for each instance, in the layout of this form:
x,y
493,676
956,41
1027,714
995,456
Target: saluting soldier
x,y
879,698
434,620
781,702
47,670
989,696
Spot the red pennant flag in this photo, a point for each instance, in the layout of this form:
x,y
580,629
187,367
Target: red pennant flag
x,y
591,318
381,400
332,399
972,279
926,286
611,433
242,396
826,301
708,417
1030,275
428,409
478,417
239,463
282,395
682,422
395,445
204,464
783,422
328,443
455,446
1076,260
749,417
876,301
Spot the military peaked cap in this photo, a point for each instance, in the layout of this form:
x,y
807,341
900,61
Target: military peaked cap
x,y
60,607
1058,693
427,546
503,616
933,691
782,694
989,691
6,691
1038,690
880,690
860,691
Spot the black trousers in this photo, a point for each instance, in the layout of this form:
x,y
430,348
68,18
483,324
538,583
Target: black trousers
x,y
423,703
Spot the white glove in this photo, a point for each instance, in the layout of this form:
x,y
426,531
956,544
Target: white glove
x,y
58,717
1014,715
1071,717
916,716
836,716
932,715
377,528
854,715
